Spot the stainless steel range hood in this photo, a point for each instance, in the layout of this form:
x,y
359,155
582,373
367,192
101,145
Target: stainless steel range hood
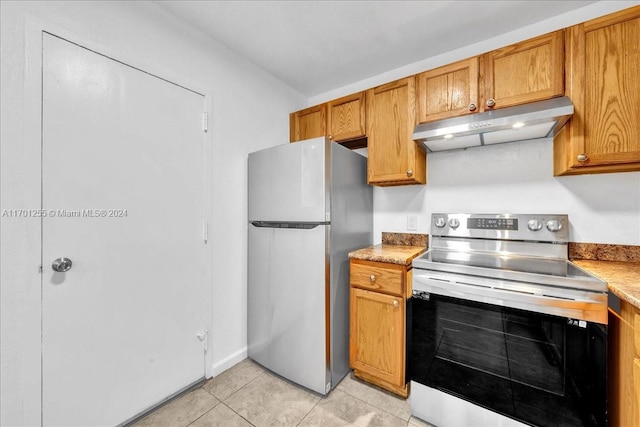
x,y
531,121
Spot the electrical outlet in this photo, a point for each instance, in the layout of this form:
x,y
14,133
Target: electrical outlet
x,y
412,223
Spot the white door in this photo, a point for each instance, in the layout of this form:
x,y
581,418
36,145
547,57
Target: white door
x,y
123,191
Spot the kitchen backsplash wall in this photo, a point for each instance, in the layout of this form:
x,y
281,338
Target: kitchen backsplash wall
x,y
604,252
516,177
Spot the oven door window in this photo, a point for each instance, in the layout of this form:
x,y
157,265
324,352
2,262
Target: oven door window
x,y
536,368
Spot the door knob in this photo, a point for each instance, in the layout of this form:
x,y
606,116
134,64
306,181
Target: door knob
x,y
61,265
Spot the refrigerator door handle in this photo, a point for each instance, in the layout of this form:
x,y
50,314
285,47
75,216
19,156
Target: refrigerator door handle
x,y
298,225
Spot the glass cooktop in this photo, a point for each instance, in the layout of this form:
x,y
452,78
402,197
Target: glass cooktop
x,y
542,270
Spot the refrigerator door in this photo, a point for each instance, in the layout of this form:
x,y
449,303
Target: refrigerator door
x,y
287,182
287,284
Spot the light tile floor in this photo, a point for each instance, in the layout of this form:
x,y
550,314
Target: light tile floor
x,y
249,395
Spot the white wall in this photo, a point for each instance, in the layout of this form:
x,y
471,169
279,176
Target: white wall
x,y
518,177
249,112
515,178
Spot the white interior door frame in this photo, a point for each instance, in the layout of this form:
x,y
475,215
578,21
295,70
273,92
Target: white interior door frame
x,y
31,348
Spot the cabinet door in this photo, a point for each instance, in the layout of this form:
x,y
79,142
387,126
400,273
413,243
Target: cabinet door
x,y
346,117
636,385
308,123
532,70
624,406
448,91
377,344
394,157
603,60
636,364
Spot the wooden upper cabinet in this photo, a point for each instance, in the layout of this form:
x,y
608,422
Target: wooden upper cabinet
x,y
308,123
532,70
448,91
346,117
524,72
603,81
394,157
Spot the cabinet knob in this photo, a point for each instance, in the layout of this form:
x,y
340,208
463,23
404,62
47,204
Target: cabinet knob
x,y
472,107
372,278
491,102
409,172
395,303
583,157
330,136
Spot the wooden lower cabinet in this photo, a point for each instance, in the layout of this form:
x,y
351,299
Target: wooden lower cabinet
x,y
624,367
636,382
636,365
378,323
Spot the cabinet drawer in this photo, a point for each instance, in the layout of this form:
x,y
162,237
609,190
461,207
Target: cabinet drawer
x,y
386,278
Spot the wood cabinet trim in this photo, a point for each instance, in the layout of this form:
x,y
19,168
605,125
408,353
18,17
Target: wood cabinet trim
x,y
392,85
636,385
612,18
575,66
624,407
387,265
636,334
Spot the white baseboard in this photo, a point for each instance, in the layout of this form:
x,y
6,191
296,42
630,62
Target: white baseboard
x,y
229,361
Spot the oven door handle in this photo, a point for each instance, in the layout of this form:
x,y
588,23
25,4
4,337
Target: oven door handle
x,y
588,306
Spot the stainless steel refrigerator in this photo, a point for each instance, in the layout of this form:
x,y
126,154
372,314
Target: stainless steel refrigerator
x,y
309,206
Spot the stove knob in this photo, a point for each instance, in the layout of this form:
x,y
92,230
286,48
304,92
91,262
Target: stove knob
x,y
534,224
454,223
440,222
554,225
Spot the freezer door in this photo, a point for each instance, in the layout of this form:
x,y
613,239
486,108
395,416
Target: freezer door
x,y
287,182
286,327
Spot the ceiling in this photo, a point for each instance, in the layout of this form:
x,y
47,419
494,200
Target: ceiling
x,y
319,46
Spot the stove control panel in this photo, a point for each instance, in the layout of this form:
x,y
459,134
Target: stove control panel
x,y
491,223
542,227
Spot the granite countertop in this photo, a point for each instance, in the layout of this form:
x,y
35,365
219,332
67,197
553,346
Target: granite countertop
x,y
622,277
618,265
394,254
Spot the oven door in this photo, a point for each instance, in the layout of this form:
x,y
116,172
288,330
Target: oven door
x,y
540,369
